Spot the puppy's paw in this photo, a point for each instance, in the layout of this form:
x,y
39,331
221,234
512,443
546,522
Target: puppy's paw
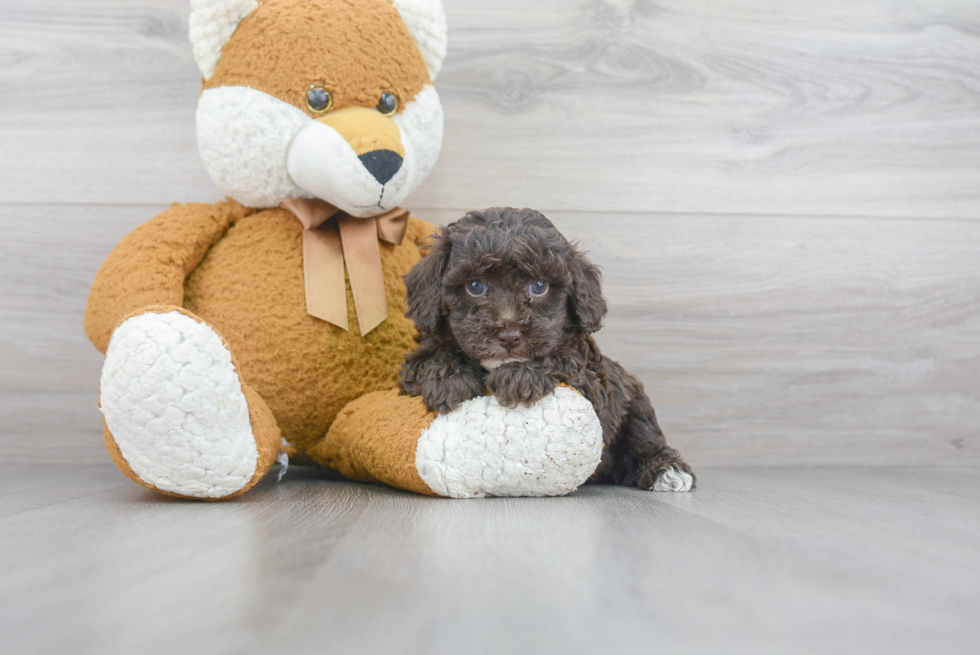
x,y
446,395
519,383
443,378
673,477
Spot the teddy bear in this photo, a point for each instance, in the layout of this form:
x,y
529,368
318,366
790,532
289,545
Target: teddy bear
x,y
271,326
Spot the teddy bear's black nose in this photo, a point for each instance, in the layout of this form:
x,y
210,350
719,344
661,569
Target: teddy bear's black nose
x,y
382,164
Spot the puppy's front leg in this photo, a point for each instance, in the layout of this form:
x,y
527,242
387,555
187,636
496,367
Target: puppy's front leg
x,y
519,383
442,377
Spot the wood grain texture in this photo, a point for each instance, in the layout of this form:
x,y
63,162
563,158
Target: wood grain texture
x,y
755,561
761,340
749,106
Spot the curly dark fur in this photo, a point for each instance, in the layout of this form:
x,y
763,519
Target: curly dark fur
x,y
544,339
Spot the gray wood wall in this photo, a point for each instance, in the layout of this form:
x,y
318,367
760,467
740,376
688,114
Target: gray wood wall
x,y
784,195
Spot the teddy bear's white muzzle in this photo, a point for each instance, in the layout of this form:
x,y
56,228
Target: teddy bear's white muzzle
x,y
322,163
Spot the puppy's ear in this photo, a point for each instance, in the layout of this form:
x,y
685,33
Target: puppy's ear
x,y
424,286
586,303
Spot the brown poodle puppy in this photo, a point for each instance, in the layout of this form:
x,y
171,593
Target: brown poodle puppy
x,y
504,303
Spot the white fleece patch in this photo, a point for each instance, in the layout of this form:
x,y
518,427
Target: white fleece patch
x,y
212,23
244,136
283,460
482,449
426,20
421,124
174,404
673,479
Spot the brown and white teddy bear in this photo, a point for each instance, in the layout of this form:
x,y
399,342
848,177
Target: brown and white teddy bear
x,y
273,323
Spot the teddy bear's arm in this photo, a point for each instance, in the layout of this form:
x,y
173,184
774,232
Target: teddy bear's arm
x,y
479,449
148,266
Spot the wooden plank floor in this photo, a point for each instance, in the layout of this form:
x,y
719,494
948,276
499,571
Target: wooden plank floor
x,y
758,560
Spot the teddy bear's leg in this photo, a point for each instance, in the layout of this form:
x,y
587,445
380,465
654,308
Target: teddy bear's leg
x,y
480,449
177,417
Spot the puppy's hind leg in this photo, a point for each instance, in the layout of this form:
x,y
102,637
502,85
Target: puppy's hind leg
x,y
641,456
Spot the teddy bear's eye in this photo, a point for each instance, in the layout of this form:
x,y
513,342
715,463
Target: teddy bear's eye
x,y
319,99
388,104
476,288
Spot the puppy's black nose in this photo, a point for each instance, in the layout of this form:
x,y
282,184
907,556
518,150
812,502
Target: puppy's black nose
x,y
510,339
382,164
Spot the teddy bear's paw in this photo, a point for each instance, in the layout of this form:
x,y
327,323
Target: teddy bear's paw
x,y
174,404
482,449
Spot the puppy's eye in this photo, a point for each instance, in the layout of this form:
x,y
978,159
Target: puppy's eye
x,y
319,99
476,288
388,104
538,288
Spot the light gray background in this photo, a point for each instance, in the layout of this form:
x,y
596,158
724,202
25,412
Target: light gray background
x,y
784,196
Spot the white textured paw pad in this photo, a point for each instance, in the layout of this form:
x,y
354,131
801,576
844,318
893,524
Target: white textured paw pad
x,y
174,404
673,479
482,449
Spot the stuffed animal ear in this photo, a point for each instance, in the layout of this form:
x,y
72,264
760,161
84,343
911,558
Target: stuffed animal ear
x,y
586,302
424,286
212,24
426,20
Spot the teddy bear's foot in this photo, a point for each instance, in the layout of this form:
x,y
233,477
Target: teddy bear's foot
x,y
178,418
480,449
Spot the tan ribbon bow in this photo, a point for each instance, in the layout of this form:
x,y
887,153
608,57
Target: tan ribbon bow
x,y
332,239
